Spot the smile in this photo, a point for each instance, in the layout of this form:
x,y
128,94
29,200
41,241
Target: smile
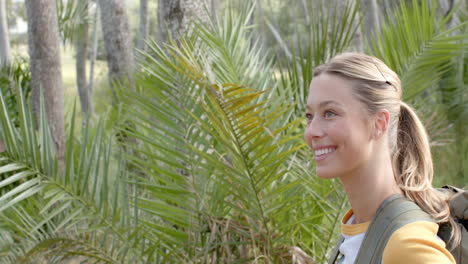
x,y
321,154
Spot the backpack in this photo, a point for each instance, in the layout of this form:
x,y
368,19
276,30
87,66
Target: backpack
x,y
458,204
398,211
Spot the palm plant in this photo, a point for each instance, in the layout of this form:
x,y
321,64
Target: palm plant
x,y
51,215
330,32
454,99
426,49
14,76
218,172
230,151
71,15
215,170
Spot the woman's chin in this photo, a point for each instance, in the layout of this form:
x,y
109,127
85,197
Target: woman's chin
x,y
325,174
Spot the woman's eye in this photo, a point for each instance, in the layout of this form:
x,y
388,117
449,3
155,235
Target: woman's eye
x,y
329,114
309,117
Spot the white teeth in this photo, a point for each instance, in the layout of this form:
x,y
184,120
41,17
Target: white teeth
x,y
323,151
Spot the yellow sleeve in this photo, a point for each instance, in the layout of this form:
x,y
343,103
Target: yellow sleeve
x,y
416,243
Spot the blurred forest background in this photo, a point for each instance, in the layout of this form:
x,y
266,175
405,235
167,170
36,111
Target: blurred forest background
x,y
170,131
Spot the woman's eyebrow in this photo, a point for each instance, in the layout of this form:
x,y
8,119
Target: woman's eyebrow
x,y
323,104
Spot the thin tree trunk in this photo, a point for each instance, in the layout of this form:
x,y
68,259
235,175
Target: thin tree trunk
x,y
46,69
5,53
93,51
358,40
214,8
371,19
81,56
118,42
144,25
175,16
170,16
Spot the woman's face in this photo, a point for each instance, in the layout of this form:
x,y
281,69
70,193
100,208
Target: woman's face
x,y
338,130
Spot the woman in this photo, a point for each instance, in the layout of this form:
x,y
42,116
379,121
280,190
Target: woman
x,y
363,134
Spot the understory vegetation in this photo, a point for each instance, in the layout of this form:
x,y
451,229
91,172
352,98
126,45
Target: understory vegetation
x,y
205,161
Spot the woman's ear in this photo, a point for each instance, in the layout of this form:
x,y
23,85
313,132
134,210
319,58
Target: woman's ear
x,y
381,123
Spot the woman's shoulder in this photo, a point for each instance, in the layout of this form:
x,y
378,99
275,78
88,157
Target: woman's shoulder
x,y
416,242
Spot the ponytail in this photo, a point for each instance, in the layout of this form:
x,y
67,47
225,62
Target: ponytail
x,y
413,162
414,172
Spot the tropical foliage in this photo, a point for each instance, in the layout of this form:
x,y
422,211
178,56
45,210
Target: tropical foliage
x,y
204,162
15,76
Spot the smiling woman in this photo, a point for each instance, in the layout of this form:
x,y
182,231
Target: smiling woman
x,y
337,131
363,134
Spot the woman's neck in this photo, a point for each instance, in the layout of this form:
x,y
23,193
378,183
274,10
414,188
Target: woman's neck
x,y
369,186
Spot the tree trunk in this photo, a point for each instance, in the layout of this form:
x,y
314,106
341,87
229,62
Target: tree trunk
x,y
214,8
93,52
81,56
5,54
144,25
175,16
371,22
46,70
118,42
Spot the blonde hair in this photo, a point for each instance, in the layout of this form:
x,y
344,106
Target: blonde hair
x,y
378,87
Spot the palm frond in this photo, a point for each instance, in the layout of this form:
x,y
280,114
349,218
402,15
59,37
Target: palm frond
x,y
71,15
426,48
216,153
331,32
43,209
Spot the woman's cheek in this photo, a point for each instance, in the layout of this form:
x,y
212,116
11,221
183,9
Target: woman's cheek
x,y
337,130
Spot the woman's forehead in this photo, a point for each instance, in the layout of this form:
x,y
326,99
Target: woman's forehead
x,y
329,89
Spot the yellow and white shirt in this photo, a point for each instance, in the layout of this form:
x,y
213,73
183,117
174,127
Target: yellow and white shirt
x,y
415,243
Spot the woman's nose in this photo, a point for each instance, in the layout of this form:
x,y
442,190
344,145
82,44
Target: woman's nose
x,y
313,131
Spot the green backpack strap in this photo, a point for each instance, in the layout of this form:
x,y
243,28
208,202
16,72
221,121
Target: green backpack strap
x,y
395,212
